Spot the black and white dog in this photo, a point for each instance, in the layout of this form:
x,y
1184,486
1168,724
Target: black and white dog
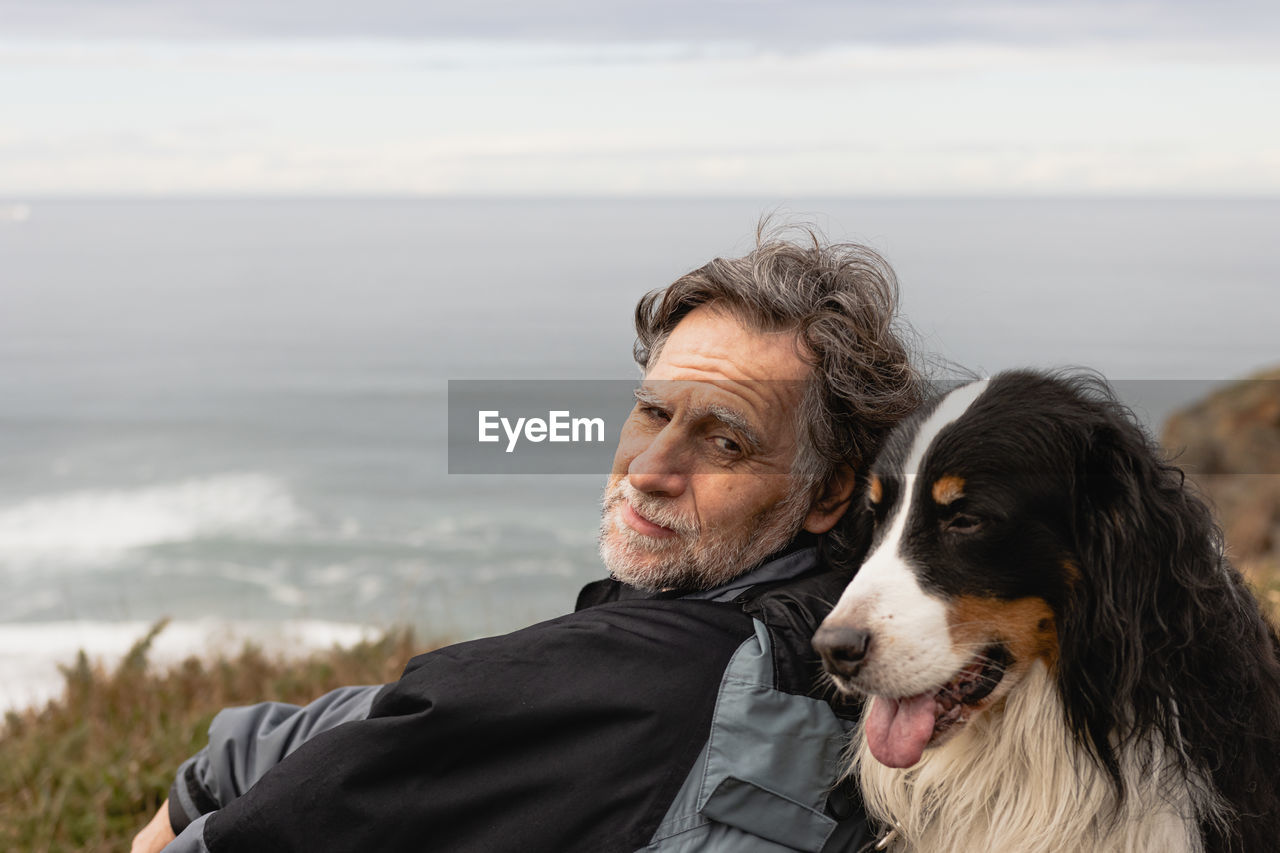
x,y
1056,655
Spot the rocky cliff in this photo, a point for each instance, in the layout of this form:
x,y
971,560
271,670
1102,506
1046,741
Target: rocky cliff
x,y
1229,444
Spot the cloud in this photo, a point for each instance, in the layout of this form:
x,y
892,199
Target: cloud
x,y
789,25
713,98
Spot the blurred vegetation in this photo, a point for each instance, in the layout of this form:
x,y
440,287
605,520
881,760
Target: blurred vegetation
x,y
1270,595
87,771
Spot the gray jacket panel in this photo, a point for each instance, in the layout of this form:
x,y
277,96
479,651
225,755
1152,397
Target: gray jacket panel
x,y
191,839
246,742
754,787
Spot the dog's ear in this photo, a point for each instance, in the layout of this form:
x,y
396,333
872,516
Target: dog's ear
x,y
1161,641
1145,548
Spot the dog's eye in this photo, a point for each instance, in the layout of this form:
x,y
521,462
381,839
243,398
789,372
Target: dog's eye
x,y
962,523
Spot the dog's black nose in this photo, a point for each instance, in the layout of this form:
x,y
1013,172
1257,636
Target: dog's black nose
x,y
842,649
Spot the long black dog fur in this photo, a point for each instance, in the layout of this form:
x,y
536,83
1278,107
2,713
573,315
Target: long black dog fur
x,y
1160,634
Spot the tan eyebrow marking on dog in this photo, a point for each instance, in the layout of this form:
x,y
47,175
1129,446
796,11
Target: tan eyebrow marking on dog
x,y
875,490
949,489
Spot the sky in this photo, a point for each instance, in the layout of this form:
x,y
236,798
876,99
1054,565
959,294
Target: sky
x,y
752,98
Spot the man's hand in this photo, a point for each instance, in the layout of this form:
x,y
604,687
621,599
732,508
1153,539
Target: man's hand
x,y
155,835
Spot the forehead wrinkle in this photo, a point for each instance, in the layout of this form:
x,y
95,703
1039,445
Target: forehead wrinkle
x,y
769,356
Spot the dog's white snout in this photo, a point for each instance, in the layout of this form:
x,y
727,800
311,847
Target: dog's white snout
x,y
907,647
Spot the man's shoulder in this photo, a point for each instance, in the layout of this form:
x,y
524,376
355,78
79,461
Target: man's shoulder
x,y
614,626
648,620
790,610
633,641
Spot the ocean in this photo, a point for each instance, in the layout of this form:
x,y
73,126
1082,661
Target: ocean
x,y
233,413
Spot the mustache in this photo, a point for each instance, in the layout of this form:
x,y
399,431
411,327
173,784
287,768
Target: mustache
x,y
657,510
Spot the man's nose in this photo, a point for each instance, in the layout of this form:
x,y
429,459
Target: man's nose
x,y
659,468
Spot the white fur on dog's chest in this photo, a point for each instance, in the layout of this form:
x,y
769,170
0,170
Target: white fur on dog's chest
x,y
1010,783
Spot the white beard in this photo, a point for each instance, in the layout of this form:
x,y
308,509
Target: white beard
x,y
693,558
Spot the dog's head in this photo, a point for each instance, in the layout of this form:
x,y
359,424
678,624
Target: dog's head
x,y
1007,522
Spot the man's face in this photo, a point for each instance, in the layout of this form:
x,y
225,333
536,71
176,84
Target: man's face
x,y
701,488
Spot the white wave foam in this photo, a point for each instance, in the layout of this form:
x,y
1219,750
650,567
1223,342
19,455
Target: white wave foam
x,y
30,653
99,524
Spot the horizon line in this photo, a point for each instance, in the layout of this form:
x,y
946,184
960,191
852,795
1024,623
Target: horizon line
x,y
10,198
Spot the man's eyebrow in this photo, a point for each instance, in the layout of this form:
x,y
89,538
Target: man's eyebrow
x,y
731,418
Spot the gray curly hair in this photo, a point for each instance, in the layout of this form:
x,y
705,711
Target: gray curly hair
x,y
840,300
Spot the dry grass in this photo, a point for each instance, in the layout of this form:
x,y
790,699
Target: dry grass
x,y
86,771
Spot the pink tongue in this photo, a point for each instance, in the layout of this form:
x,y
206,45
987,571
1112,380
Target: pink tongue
x,y
899,729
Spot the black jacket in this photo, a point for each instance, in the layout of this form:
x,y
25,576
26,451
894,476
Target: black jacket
x,y
631,723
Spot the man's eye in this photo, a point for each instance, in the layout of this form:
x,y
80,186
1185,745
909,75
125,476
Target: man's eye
x,y
727,445
654,413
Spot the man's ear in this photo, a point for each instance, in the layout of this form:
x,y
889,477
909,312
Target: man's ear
x,y
832,503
